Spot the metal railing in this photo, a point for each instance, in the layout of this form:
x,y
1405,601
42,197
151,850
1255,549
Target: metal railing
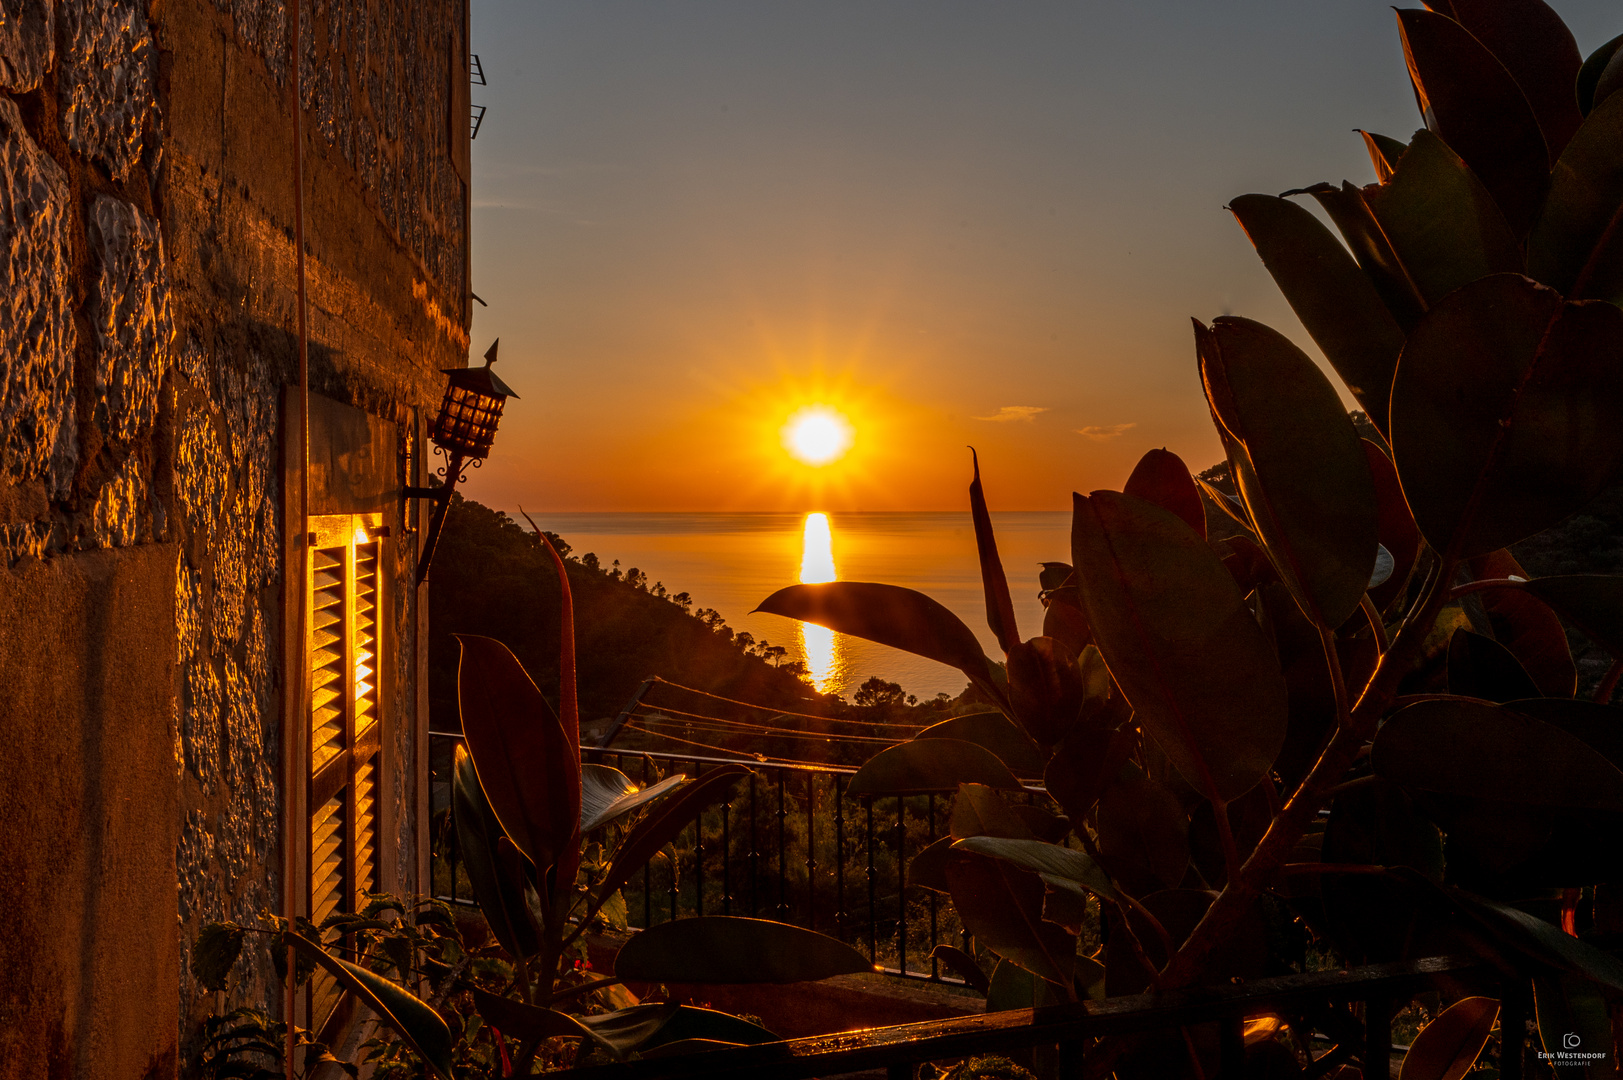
x,y
1349,1013
789,844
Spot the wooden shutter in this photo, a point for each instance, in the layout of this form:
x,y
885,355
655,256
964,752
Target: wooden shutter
x,y
346,650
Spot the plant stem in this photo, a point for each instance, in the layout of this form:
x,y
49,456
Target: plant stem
x,y
1603,692
1292,822
1486,583
1338,681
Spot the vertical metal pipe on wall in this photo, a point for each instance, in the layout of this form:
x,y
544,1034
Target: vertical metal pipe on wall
x,y
294,680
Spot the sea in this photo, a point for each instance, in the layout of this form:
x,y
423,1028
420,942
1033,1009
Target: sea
x,y
731,562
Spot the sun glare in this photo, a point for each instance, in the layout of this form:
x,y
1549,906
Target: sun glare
x,y
817,435
825,660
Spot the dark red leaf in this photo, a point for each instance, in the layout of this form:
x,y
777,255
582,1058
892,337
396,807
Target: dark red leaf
x,y
1468,97
1538,50
1162,478
999,607
1529,629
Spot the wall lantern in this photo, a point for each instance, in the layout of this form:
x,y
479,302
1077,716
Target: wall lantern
x,y
462,432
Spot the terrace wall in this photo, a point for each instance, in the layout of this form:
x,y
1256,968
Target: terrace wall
x,y
147,339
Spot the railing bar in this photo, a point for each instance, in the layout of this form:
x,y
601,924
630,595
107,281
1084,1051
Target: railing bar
x,y
755,855
873,910
783,866
901,882
698,851
840,914
726,857
647,867
811,854
935,965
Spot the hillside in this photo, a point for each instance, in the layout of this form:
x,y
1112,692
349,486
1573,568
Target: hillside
x,y
491,578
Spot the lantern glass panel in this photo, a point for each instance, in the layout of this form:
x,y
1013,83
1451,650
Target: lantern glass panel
x,y
467,421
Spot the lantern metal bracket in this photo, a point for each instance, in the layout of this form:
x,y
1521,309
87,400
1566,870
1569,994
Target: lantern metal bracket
x,y
462,435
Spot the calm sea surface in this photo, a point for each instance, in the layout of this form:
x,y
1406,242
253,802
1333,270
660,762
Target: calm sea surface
x,y
731,562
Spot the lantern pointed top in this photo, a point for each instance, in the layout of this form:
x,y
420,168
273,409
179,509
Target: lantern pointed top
x,y
481,380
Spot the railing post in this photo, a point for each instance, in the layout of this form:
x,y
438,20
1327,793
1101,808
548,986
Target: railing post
x,y
1513,1016
1072,1059
647,871
1231,1048
1377,1038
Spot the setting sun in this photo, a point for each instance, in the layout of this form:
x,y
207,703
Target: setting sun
x,y
817,435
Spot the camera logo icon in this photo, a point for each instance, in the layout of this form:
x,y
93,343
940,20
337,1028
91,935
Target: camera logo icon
x,y
1570,1041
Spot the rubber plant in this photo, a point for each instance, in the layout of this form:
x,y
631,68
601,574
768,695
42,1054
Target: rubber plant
x,y
1314,696
547,843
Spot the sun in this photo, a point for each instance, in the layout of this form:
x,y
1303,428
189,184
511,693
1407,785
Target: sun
x,y
817,435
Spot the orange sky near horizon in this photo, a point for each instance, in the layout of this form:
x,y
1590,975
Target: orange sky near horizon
x,y
958,223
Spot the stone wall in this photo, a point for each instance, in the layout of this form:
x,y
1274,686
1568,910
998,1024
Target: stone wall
x,y
146,225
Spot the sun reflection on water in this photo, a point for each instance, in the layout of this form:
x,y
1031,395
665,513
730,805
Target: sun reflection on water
x,y
825,656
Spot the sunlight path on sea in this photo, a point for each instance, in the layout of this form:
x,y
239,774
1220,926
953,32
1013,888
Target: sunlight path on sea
x,y
823,648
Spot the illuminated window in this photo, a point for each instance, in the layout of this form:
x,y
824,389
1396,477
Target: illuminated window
x,y
346,648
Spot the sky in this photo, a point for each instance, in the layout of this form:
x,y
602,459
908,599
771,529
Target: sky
x,y
957,222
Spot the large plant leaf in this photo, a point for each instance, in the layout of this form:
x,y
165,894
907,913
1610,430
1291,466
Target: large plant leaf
x,y
1507,413
1511,756
994,732
606,794
728,949
1526,626
1394,524
1480,667
1538,50
1577,243
1374,919
420,1027
1171,624
1574,1018
1046,689
999,606
914,768
1468,97
1596,68
691,1025
1335,300
1443,226
928,869
978,810
889,614
528,764
1591,602
1384,152
962,965
1540,941
1087,760
1446,1048
1051,862
1304,476
1162,478
1002,906
1143,834
499,893
1348,207
663,824
515,1019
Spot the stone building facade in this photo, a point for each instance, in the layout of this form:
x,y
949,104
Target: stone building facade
x,y
156,731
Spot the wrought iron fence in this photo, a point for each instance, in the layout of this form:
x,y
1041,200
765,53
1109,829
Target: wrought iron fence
x,y
790,844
